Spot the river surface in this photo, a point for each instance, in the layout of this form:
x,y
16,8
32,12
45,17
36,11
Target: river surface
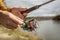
x,y
48,29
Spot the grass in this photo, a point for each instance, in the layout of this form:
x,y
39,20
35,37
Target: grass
x,y
16,35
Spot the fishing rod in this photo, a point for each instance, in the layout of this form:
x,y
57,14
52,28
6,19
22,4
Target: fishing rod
x,y
36,7
32,9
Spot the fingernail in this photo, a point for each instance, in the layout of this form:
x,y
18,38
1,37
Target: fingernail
x,y
22,22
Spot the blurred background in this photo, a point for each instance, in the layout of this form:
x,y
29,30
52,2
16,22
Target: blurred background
x,y
48,29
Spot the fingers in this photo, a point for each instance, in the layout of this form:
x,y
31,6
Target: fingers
x,y
22,9
10,24
10,21
16,12
8,15
17,19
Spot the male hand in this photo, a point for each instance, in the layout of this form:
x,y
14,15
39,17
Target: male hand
x,y
9,20
17,12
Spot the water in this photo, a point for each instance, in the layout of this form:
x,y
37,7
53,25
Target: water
x,y
49,30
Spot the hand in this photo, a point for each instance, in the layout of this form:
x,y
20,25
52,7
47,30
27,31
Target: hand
x,y
17,12
9,20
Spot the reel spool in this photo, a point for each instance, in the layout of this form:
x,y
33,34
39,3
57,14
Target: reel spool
x,y
28,25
